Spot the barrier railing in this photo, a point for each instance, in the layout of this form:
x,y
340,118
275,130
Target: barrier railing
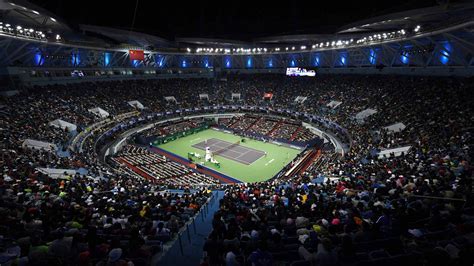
x,y
190,227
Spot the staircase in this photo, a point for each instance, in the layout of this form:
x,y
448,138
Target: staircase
x,y
277,125
315,155
136,170
234,122
254,123
293,136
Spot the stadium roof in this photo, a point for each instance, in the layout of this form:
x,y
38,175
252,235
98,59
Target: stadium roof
x,y
431,16
26,14
428,18
127,37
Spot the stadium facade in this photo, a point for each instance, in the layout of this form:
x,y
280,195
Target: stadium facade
x,y
37,47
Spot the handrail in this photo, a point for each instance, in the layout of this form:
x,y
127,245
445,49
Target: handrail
x,y
203,212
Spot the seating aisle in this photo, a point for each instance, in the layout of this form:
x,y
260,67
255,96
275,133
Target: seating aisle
x,y
192,250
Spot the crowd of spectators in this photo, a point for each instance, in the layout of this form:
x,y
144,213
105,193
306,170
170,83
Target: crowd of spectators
x,y
285,130
270,127
83,221
263,126
171,128
243,123
415,206
159,169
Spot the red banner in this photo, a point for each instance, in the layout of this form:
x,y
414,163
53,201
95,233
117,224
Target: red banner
x,y
268,95
137,55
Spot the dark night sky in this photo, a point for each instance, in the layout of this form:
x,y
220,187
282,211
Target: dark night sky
x,y
225,19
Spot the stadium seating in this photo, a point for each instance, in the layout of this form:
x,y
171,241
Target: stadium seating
x,y
160,169
415,207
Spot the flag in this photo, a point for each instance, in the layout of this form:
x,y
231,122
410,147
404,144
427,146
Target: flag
x,y
137,55
268,95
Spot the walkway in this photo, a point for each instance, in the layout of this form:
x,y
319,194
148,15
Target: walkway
x,y
193,238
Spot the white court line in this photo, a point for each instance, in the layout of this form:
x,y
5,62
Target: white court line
x,y
233,158
262,156
241,154
196,139
232,152
271,161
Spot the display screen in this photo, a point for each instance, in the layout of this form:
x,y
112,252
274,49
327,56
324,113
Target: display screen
x,y
300,72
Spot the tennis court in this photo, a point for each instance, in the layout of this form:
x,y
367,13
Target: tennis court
x,y
252,165
229,150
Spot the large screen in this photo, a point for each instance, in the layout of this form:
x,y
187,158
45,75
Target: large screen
x,y
300,72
